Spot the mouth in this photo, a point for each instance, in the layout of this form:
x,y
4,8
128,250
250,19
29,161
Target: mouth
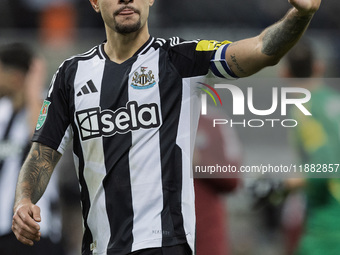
x,y
126,11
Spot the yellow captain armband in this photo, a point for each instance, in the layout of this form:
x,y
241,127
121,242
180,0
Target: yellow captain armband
x,y
210,45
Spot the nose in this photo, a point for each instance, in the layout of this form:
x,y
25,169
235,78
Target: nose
x,y
125,1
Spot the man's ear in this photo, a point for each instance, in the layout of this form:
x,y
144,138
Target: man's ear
x,y
95,6
151,2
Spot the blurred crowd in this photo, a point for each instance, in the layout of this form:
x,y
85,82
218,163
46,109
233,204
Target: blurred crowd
x,y
284,210
32,13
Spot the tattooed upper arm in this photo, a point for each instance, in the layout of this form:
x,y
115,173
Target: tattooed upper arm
x,y
280,37
36,172
237,64
233,60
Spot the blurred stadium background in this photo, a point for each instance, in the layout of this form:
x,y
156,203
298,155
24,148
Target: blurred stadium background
x,y
59,29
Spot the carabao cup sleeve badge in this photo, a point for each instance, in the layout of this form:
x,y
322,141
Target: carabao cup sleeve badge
x,y
43,114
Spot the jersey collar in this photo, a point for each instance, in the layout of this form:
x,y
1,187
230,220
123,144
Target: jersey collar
x,y
145,47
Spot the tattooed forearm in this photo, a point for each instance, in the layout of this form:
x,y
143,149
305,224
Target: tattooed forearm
x,y
236,64
280,37
36,172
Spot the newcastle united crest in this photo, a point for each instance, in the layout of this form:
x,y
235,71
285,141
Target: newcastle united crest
x,y
143,80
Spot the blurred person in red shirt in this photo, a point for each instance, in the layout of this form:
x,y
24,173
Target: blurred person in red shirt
x,y
214,146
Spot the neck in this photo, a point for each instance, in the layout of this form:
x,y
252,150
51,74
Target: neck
x,y
120,47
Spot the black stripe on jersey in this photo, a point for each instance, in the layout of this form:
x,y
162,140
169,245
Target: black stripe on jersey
x,y
146,46
84,195
171,97
117,181
183,54
84,192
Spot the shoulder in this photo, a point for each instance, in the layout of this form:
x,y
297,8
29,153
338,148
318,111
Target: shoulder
x,y
174,43
177,43
190,57
94,54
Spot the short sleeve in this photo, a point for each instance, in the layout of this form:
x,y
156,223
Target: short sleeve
x,y
53,126
196,58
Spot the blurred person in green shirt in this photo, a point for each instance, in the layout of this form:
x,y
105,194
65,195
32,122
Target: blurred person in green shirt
x,y
316,140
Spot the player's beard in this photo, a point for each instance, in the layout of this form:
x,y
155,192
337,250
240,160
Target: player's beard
x,y
127,29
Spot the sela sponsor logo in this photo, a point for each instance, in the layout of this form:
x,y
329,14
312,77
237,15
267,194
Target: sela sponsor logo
x,y
239,104
95,123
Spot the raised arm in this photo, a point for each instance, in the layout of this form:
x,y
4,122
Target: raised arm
x,y
248,56
33,179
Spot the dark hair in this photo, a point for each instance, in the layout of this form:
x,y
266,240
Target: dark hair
x,y
300,59
16,55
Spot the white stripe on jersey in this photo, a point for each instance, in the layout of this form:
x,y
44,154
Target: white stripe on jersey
x,y
174,41
52,84
161,41
187,42
86,54
66,140
100,49
185,139
145,174
94,168
6,113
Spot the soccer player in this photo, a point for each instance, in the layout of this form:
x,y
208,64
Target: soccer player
x,y
125,103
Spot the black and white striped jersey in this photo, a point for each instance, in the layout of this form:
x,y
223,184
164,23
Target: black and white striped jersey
x,y
130,125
